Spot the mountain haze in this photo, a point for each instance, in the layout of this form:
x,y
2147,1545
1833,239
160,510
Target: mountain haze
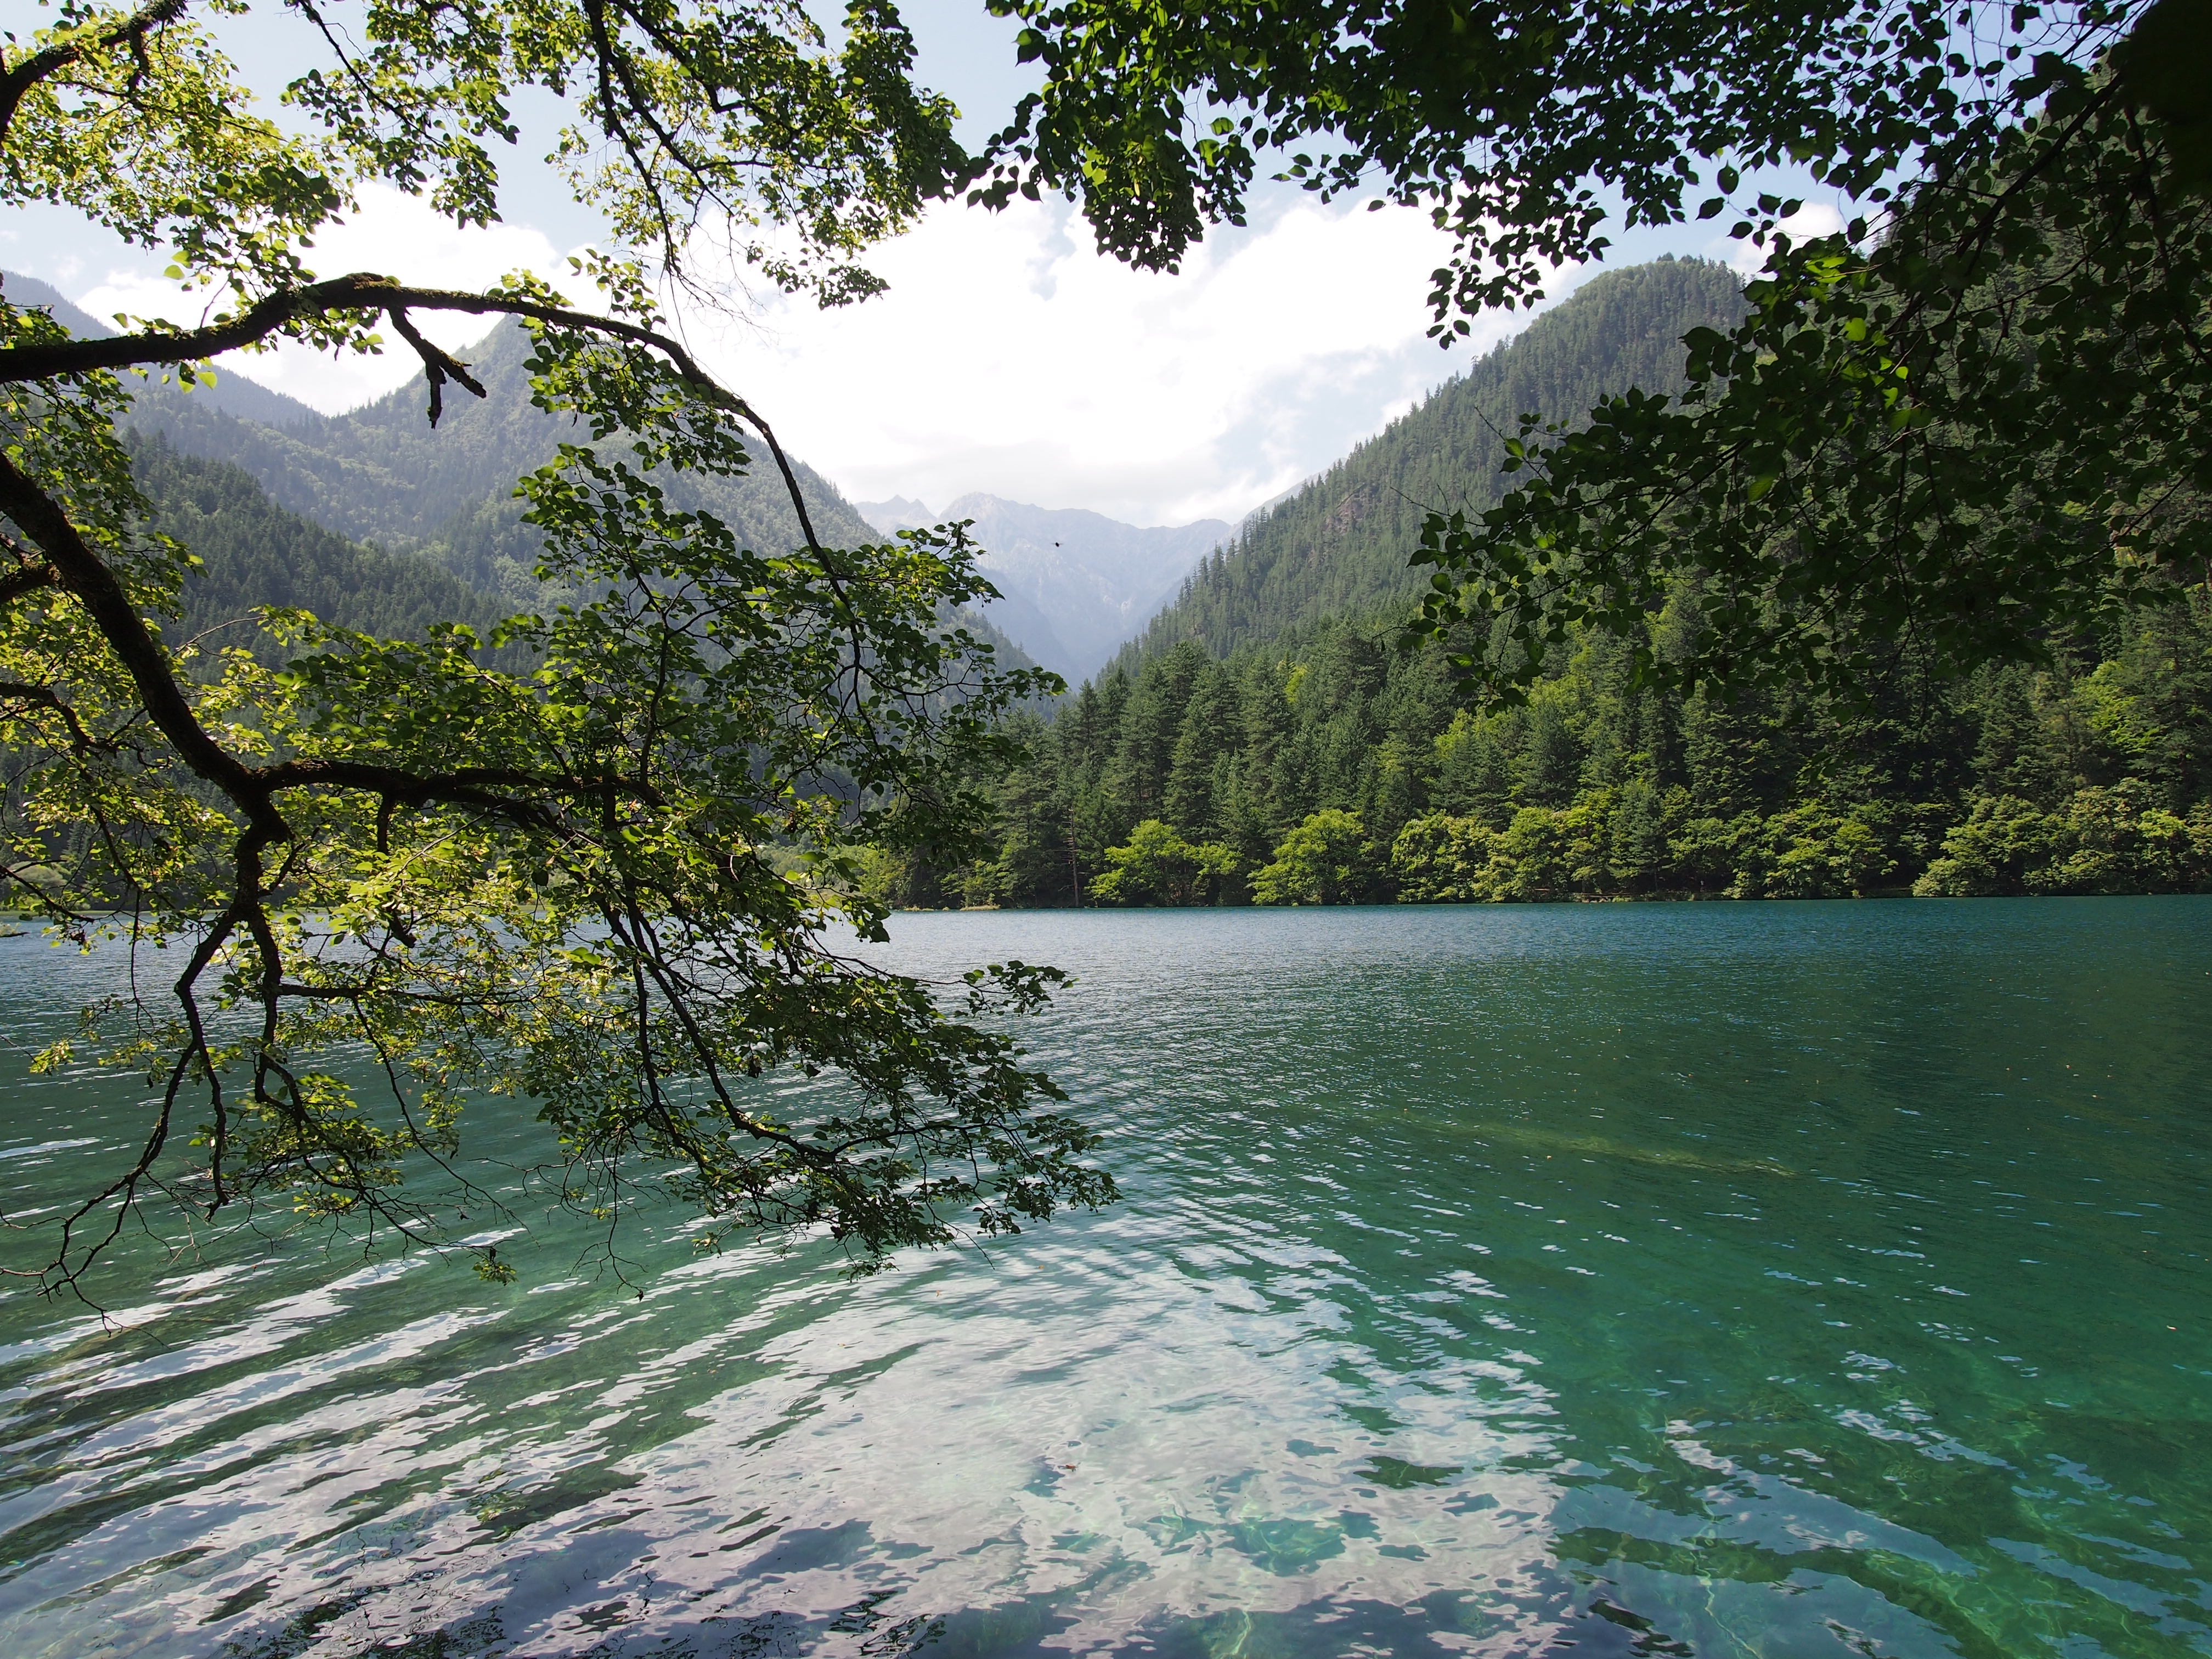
x,y
1340,544
1077,584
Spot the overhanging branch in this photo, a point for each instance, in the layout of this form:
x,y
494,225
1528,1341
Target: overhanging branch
x,y
366,291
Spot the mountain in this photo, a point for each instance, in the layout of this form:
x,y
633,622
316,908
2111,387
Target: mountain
x,y
253,552
1077,584
382,473
436,501
1266,738
233,394
895,514
1340,544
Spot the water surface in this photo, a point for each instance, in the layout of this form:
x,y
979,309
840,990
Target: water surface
x,y
1655,1280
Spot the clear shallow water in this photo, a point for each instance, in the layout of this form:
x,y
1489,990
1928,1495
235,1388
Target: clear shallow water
x,y
1653,1280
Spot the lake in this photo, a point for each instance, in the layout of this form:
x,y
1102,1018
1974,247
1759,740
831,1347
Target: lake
x,y
1774,1279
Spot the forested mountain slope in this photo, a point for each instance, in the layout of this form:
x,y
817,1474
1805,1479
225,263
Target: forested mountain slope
x,y
430,502
253,552
1340,544
1266,740
382,473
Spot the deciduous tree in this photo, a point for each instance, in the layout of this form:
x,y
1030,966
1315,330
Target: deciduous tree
x,y
612,882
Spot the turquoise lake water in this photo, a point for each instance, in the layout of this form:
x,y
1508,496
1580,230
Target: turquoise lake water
x,y
1777,1279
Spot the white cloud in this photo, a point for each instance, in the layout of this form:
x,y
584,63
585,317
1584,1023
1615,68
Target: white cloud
x,y
1009,357
1814,219
393,234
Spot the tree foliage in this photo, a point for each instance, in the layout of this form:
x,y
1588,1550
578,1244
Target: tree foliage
x,y
1326,859
1982,434
733,115
598,855
1967,419
1158,866
1513,121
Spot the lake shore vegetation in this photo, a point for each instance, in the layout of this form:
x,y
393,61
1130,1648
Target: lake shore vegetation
x,y
1335,767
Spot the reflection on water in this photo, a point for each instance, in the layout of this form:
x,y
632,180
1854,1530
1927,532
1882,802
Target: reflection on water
x,y
1777,1279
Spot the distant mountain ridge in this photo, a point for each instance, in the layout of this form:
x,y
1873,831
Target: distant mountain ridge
x,y
382,474
1077,583
897,512
1340,544
233,394
352,492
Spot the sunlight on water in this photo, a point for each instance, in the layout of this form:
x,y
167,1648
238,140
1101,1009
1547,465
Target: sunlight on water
x,y
1656,1280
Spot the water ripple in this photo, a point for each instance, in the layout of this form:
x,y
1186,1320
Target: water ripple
x,y
1656,1280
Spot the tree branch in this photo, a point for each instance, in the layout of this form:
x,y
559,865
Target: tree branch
x,y
361,290
16,83
29,579
439,365
86,576
366,291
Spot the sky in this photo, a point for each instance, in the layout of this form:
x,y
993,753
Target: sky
x,y
1007,356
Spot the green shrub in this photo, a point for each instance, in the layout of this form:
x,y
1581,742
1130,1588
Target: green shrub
x,y
2110,839
1327,860
1439,859
1158,866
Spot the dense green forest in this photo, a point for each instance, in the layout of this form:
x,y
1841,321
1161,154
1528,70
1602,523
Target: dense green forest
x,y
1335,767
1268,739
253,552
